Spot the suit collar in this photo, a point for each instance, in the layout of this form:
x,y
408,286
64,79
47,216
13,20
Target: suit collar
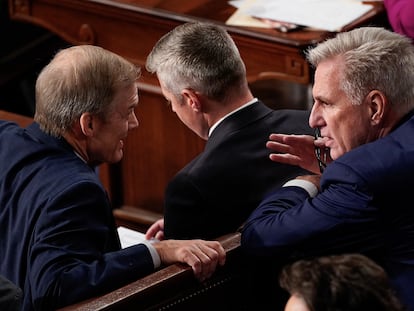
x,y
404,119
34,131
254,100
239,119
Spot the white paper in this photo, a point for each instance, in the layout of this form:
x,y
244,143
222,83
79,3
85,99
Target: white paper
x,y
331,15
131,237
239,18
237,3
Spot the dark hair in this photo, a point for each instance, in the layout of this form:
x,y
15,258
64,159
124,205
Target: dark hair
x,y
340,283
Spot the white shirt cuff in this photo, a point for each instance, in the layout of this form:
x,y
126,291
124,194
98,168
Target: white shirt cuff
x,y
310,188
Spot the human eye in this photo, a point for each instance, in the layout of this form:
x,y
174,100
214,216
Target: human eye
x,y
129,112
321,102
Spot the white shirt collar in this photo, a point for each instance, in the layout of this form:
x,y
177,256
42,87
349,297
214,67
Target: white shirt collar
x,y
229,114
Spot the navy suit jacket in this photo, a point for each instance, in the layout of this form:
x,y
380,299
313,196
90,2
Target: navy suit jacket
x,y
365,206
58,240
215,193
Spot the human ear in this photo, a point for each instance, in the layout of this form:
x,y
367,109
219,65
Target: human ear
x,y
86,123
192,99
377,104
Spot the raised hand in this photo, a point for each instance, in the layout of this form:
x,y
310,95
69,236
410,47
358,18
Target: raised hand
x,y
295,150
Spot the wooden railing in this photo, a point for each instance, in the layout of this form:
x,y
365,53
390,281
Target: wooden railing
x,y
19,119
175,288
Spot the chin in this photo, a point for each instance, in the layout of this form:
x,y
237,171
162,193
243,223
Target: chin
x,y
335,155
115,158
118,157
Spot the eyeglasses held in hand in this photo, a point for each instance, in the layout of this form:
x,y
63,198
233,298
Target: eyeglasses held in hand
x,y
318,152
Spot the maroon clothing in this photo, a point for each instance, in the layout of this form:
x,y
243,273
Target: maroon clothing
x,y
401,16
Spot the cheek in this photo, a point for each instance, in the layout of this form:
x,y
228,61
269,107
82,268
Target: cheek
x,y
127,126
185,117
355,128
350,135
120,129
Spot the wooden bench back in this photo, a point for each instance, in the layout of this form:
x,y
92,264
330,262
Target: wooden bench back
x,y
172,287
240,284
19,119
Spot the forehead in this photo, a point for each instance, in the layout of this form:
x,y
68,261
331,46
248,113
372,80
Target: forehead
x,y
125,97
327,78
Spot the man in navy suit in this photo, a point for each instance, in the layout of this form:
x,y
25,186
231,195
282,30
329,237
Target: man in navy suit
x,y
58,240
363,106
203,77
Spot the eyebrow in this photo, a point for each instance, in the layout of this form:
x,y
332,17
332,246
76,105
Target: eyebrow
x,y
321,99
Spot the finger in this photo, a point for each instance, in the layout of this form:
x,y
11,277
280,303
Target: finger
x,y
278,147
154,229
160,235
151,232
208,266
277,137
200,263
297,139
216,254
209,254
195,263
320,142
285,158
220,251
209,258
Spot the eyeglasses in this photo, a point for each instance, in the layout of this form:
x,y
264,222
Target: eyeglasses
x,y
318,152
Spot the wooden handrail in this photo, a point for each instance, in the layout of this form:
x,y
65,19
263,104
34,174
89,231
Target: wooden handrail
x,y
19,119
152,289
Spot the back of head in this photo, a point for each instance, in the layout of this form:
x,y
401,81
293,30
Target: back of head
x,y
374,59
199,56
349,282
79,79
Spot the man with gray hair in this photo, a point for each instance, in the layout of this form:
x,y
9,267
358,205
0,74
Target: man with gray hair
x,y
358,200
203,77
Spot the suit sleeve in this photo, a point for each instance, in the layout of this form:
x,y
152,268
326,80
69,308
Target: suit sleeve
x,y
184,205
289,223
76,254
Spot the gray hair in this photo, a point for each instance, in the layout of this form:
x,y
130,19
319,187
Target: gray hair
x,y
374,59
79,79
199,56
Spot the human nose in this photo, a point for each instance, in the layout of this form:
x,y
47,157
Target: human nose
x,y
315,117
133,121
